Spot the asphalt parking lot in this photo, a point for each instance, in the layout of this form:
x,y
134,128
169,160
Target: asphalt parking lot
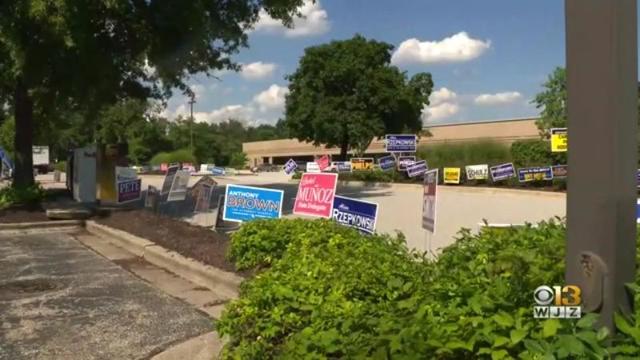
x,y
60,300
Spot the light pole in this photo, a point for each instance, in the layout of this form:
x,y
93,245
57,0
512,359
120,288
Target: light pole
x,y
192,101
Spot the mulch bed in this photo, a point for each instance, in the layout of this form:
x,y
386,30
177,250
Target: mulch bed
x,y
14,215
195,242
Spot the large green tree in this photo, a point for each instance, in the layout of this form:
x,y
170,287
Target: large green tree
x,y
552,102
346,93
79,53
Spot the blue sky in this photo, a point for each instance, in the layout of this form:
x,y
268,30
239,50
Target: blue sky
x,y
488,58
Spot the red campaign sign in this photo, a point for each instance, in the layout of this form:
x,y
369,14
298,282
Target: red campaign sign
x,y
323,162
164,167
315,195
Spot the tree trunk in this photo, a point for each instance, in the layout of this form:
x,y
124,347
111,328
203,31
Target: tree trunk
x,y
344,145
23,139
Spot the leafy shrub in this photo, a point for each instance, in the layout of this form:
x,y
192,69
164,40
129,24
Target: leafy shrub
x,y
29,196
178,156
238,160
535,153
297,175
328,291
60,166
371,176
460,155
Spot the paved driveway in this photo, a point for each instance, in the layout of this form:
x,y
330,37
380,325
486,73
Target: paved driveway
x,y
59,300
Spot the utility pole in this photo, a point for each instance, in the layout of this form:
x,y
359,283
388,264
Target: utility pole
x,y
192,101
602,89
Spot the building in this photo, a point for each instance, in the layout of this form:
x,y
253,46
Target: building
x,y
501,131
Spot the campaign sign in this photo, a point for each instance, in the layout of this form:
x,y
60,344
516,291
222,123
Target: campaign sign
x,y
558,139
315,194
361,164
125,173
429,197
178,191
451,175
312,167
151,200
477,172
401,143
168,180
245,203
387,162
164,167
502,172
218,170
405,161
417,169
129,190
290,167
323,162
535,173
355,213
342,166
560,171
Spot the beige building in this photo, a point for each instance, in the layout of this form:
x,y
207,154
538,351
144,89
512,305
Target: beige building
x,y
501,131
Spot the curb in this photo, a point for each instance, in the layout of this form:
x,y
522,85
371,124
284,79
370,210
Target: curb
x,y
217,280
30,227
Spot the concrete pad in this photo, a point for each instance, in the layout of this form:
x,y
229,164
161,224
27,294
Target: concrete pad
x,y
199,348
59,300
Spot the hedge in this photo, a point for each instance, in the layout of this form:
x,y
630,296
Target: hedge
x,y
178,156
326,291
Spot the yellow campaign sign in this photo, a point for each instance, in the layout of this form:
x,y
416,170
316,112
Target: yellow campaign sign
x,y
361,164
559,140
452,175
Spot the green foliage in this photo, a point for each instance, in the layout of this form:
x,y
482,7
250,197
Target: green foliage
x,y
460,155
238,160
7,132
372,176
535,153
345,93
30,196
552,102
326,291
178,156
60,166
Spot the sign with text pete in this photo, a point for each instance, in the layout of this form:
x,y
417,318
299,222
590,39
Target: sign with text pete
x,y
242,203
315,194
355,213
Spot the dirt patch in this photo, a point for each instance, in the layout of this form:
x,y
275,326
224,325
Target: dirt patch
x,y
18,288
196,242
22,215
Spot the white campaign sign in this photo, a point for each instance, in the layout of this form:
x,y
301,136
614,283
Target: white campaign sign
x,y
313,167
477,172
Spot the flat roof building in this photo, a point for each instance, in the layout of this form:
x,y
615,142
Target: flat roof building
x,y
501,131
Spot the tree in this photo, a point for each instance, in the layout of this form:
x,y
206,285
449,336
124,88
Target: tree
x,y
91,53
552,102
345,93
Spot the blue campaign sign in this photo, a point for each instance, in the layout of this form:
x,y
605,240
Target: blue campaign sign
x,y
342,166
417,169
502,172
535,173
401,143
290,167
244,203
387,162
354,213
217,171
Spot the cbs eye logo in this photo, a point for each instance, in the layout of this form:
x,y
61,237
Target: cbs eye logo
x,y
569,295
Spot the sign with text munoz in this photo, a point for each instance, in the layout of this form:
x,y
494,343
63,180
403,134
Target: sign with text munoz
x,y
502,172
178,191
290,167
244,203
355,213
315,194
417,168
360,164
405,161
535,173
477,172
168,179
429,197
387,162
342,166
401,143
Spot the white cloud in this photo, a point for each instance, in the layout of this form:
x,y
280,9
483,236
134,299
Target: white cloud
x,y
257,70
443,103
498,99
442,95
271,99
457,48
313,21
198,90
238,112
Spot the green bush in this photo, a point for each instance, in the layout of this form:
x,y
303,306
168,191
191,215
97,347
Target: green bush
x,y
30,196
61,166
178,156
371,176
326,291
297,175
460,155
535,153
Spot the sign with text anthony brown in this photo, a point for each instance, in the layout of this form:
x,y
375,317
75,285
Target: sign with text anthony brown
x,y
355,213
430,191
244,203
315,195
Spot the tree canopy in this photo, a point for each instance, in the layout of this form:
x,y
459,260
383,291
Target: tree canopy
x,y
345,93
552,102
61,54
